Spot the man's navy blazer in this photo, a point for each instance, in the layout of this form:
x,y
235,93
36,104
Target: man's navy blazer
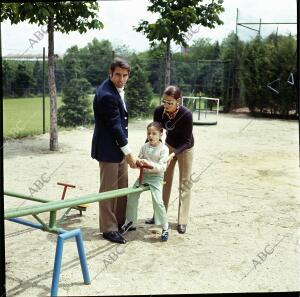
x,y
111,124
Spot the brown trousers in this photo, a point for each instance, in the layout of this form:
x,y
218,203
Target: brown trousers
x,y
112,212
185,160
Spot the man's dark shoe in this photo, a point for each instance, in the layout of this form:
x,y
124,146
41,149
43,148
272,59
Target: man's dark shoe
x,y
114,236
181,228
150,221
126,228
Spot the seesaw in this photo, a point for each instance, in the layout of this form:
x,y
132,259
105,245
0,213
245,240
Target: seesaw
x,y
81,207
52,226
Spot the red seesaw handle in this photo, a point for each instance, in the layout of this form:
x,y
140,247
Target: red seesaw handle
x,y
142,172
65,189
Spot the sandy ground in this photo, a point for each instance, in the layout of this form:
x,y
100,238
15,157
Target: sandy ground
x,y
243,233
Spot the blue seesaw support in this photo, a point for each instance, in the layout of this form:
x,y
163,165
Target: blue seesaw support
x,y
61,237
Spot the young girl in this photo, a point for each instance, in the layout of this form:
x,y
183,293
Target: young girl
x,y
155,154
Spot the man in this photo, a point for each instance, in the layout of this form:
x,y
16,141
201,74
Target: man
x,y
110,147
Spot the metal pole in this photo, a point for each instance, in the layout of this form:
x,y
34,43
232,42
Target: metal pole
x,y
82,257
262,23
44,126
236,21
57,265
27,223
2,236
297,79
234,63
199,110
218,105
18,195
52,219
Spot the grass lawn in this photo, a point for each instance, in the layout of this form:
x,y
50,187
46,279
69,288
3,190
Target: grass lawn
x,y
24,116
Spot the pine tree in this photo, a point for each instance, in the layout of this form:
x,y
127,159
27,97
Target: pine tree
x,y
77,108
138,93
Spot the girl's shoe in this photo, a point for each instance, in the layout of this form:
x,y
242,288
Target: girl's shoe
x,y
164,235
126,227
150,221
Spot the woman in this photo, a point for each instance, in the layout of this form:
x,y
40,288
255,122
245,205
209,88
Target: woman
x,y
178,122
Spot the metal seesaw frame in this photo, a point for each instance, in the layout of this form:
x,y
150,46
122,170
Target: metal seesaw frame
x,y
52,227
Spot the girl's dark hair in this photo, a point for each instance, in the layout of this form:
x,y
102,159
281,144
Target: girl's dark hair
x,y
173,91
118,62
156,125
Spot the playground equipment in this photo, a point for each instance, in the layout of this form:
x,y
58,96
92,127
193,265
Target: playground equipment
x,y
205,110
81,208
52,207
142,171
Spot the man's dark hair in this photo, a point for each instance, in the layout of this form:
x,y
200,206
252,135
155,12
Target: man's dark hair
x,y
118,62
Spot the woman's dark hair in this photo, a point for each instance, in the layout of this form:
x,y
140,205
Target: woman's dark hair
x,y
173,91
118,62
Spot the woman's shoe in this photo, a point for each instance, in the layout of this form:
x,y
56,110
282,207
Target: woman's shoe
x,y
181,228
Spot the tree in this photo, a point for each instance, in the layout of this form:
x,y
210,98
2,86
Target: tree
x,y
267,66
256,73
216,51
60,16
59,75
71,62
8,77
96,58
284,64
231,51
138,91
76,109
176,18
201,49
23,80
152,61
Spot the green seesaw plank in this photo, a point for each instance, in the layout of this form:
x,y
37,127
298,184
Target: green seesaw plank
x,y
61,204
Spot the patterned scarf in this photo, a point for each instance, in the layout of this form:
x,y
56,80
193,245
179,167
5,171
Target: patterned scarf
x,y
172,115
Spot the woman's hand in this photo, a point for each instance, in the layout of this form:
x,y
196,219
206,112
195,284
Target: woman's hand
x,y
171,156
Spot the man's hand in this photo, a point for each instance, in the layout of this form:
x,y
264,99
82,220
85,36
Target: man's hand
x,y
171,156
131,160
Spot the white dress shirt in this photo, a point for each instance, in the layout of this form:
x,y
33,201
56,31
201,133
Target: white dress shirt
x,y
125,149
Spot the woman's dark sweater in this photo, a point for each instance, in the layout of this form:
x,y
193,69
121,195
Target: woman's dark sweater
x,y
179,130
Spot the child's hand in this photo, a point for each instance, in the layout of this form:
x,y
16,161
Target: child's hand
x,y
143,162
